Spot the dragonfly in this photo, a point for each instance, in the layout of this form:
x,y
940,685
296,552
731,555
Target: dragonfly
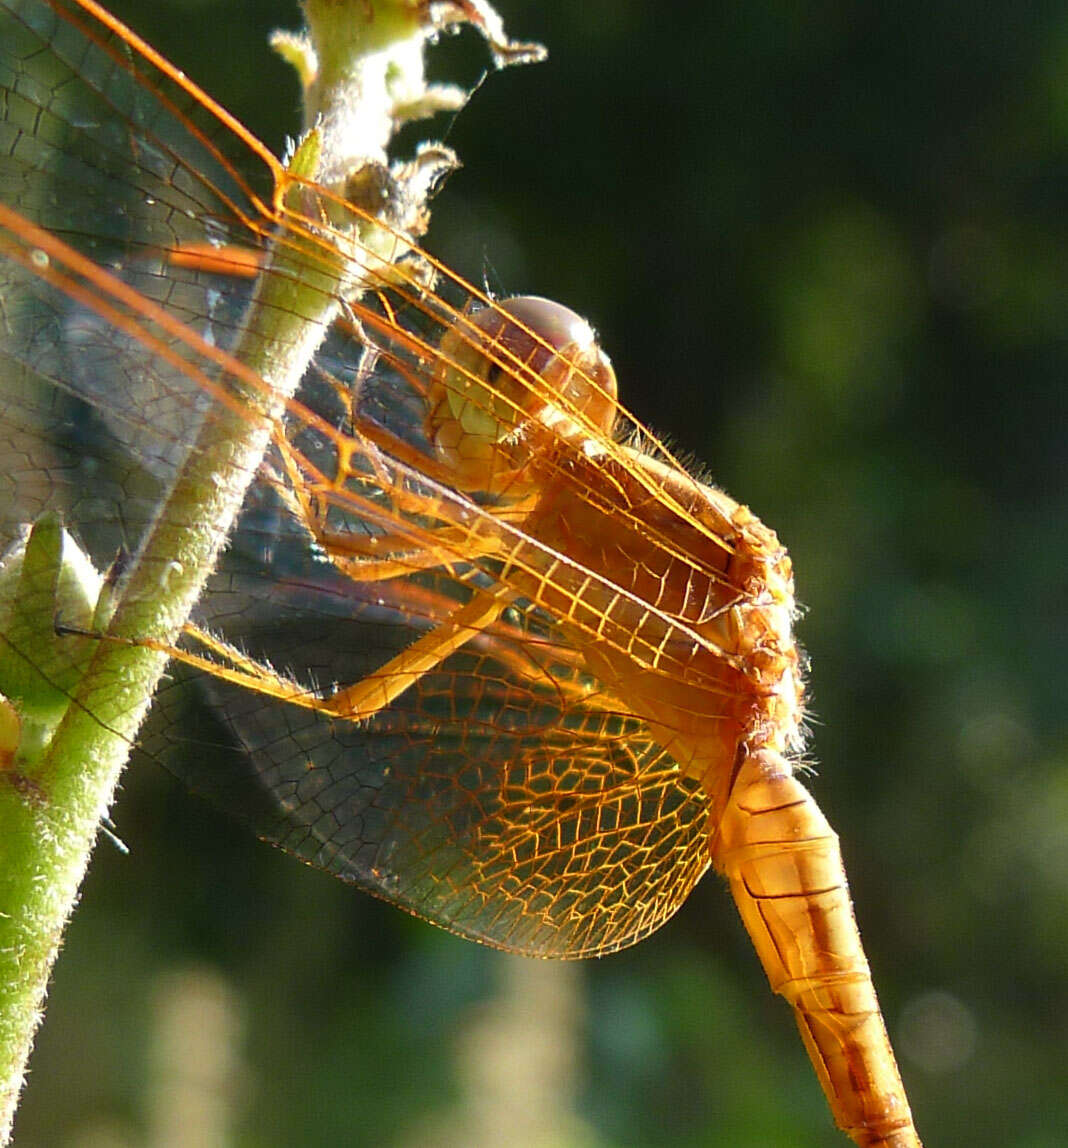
x,y
538,677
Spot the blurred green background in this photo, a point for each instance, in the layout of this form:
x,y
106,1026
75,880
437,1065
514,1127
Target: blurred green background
x,y
825,247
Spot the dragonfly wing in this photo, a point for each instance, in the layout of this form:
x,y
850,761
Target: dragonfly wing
x,y
106,152
106,148
503,796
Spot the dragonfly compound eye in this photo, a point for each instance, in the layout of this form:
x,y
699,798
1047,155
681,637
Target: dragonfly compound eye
x,y
512,373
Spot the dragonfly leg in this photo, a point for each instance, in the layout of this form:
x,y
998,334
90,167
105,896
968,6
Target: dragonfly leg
x,y
785,871
356,702
378,689
363,699
359,555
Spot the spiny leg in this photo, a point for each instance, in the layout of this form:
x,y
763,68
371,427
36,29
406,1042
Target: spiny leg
x,y
378,689
358,554
356,702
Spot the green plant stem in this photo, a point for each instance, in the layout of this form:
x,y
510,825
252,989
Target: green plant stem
x,y
50,814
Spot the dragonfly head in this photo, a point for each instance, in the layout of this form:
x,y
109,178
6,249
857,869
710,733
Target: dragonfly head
x,y
512,377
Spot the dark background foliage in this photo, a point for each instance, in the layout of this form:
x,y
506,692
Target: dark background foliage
x,y
824,245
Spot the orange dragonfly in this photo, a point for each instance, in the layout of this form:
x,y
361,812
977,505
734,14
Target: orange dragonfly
x,y
543,678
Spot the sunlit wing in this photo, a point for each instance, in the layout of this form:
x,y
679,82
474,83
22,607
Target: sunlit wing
x,y
507,794
502,799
